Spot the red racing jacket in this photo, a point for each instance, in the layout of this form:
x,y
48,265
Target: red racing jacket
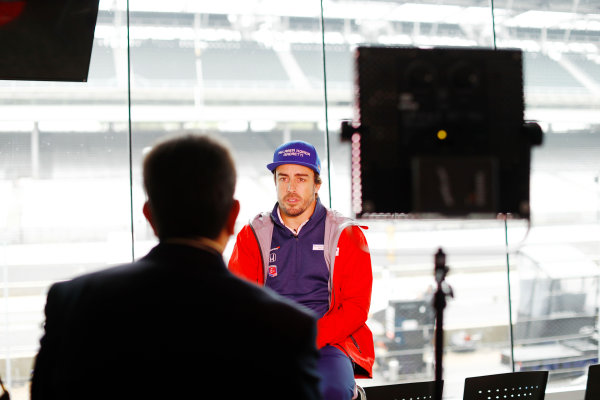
x,y
350,282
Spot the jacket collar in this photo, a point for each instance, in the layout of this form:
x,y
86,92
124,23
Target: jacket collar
x,y
199,243
167,249
317,215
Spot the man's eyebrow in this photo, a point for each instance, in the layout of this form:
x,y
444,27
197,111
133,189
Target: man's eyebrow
x,y
284,174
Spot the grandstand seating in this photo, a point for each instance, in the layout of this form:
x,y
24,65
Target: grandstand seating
x,y
539,70
338,62
250,64
589,67
102,64
176,63
242,61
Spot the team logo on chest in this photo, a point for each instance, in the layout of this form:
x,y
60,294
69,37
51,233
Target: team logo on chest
x,y
272,271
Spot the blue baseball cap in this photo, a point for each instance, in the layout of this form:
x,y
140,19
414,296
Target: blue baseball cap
x,y
296,152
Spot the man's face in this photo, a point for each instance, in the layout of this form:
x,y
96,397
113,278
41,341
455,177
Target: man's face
x,y
296,189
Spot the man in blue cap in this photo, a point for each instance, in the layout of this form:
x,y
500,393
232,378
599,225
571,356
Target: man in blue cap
x,y
318,258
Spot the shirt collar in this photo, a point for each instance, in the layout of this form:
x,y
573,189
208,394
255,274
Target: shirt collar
x,y
317,214
199,243
294,231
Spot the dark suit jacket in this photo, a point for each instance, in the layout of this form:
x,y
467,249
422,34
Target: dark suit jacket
x,y
175,324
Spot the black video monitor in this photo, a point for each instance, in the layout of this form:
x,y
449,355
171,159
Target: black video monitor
x,y
46,40
440,132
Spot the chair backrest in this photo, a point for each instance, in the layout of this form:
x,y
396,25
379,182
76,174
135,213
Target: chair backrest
x,y
402,391
526,385
592,389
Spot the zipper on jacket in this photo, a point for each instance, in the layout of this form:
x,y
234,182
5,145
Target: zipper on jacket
x,y
356,344
262,260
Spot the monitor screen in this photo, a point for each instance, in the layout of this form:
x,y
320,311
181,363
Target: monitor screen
x,y
46,40
440,132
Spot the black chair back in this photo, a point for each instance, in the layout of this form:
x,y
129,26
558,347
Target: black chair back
x,y
402,391
592,389
530,385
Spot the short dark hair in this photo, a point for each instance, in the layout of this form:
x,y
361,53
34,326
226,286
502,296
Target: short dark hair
x,y
318,179
190,182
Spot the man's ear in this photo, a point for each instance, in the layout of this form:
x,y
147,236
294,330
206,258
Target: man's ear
x,y
317,187
233,214
148,214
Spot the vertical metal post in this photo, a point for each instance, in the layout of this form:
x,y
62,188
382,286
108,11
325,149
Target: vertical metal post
x,y
35,151
510,312
439,303
7,355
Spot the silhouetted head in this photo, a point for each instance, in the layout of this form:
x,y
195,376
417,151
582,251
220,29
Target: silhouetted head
x,y
190,183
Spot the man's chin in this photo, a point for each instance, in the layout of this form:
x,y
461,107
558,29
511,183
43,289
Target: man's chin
x,y
292,212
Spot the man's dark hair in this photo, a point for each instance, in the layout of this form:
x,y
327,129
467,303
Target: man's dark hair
x,y
318,179
190,182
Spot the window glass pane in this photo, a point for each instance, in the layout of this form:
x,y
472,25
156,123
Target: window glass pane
x,y
64,189
555,270
475,319
249,72
477,324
